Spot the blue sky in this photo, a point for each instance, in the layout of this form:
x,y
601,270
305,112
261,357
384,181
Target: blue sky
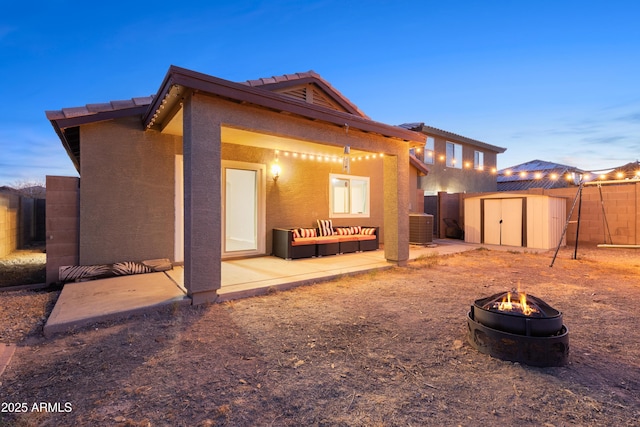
x,y
550,80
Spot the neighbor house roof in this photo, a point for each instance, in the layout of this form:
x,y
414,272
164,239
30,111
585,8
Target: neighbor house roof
x,y
157,110
429,130
535,174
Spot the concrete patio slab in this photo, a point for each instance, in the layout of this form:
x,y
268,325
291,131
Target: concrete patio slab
x,y
81,304
255,276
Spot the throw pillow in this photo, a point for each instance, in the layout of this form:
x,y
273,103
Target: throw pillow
x,y
325,227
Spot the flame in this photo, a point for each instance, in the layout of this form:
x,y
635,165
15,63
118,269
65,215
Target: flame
x,y
520,306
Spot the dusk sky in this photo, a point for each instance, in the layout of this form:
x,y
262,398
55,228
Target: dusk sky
x,y
552,80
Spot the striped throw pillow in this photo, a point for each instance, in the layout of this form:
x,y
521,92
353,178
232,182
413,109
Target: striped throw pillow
x,y
325,227
304,232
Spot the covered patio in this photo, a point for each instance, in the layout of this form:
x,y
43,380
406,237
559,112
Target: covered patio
x,y
86,303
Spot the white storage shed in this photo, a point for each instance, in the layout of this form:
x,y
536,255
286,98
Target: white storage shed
x,y
525,220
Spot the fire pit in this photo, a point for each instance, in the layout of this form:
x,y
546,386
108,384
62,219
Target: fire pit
x,y
520,328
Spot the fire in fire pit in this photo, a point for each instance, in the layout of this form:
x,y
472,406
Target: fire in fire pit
x,y
520,328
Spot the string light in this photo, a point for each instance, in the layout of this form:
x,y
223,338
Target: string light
x,y
586,176
325,157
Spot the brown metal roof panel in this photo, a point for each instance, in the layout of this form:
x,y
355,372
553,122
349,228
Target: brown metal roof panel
x,y
122,104
99,108
54,115
75,112
143,100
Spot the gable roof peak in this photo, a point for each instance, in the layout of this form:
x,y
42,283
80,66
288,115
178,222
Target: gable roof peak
x,y
289,82
282,78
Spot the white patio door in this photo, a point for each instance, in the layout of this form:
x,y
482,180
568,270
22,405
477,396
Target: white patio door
x,y
243,209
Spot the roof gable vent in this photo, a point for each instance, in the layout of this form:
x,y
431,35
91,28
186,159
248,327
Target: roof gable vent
x,y
311,94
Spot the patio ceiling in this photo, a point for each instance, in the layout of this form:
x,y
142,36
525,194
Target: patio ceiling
x,y
263,140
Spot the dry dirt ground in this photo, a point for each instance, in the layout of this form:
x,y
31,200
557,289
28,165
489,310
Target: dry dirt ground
x,y
379,349
23,267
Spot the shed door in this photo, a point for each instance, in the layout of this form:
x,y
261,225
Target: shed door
x,y
503,222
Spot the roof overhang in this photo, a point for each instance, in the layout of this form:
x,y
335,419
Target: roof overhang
x,y
429,130
165,107
179,81
66,122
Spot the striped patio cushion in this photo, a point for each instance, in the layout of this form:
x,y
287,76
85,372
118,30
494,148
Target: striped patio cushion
x,y
299,233
325,227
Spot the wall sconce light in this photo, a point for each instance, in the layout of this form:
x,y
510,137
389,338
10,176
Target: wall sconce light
x,y
275,172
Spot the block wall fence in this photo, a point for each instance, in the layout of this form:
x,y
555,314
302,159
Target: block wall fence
x,y
9,231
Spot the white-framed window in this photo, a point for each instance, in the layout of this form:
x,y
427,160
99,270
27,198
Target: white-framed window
x,y
348,196
454,155
429,150
478,160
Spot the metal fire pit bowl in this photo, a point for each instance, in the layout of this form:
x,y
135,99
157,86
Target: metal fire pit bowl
x,y
537,340
547,322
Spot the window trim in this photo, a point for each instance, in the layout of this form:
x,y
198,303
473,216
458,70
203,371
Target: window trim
x,y
478,164
429,148
453,162
366,213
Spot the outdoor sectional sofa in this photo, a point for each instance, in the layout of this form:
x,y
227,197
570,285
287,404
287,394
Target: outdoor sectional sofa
x,y
297,243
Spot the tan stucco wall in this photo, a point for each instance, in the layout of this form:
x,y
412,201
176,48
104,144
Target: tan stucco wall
x,y
452,180
126,192
301,195
308,187
127,186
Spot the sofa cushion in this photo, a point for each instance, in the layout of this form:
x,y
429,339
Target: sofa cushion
x,y
348,238
301,241
368,231
366,237
327,239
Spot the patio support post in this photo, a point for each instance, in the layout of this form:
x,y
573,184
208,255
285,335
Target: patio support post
x,y
202,213
396,207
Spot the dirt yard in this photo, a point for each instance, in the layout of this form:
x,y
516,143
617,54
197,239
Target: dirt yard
x,y
23,267
380,349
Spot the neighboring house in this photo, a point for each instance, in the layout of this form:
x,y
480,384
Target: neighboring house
x,y
205,168
625,172
456,164
538,174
